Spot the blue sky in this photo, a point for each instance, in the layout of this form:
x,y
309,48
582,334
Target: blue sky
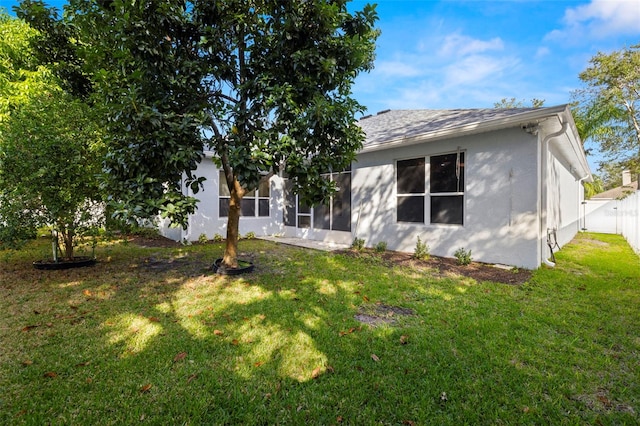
x,y
471,54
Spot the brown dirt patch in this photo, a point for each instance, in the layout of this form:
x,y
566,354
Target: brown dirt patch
x,y
154,241
443,266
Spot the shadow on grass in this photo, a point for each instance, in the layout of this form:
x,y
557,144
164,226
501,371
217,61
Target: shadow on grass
x,y
151,335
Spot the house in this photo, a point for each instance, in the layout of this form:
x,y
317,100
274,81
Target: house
x,y
498,182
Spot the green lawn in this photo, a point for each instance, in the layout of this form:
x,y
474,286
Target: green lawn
x,y
150,336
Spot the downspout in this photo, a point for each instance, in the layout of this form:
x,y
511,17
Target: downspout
x,y
580,203
544,202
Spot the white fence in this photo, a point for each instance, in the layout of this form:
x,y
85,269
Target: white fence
x,y
615,217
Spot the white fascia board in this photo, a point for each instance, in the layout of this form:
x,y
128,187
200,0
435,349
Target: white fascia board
x,y
571,148
469,129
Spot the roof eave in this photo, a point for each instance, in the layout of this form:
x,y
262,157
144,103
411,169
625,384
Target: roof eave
x,y
468,129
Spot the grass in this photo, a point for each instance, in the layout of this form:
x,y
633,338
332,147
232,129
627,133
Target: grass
x,y
150,336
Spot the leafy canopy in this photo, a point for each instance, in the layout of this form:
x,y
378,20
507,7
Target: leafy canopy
x,y
609,106
50,147
265,84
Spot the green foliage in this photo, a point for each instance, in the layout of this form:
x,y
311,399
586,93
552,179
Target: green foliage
x,y
421,250
358,244
250,235
264,84
463,256
203,239
608,110
514,103
20,75
50,149
218,238
381,247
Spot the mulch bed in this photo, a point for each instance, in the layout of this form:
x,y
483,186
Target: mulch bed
x,y
438,265
448,266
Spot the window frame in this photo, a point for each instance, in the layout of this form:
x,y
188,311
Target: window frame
x,y
432,193
254,197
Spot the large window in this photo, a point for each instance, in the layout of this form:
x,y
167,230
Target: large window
x,y
254,203
411,190
335,215
446,183
445,189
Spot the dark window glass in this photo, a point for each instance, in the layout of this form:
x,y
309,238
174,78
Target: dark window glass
x,y
447,209
224,207
411,209
248,207
410,176
304,221
263,189
263,207
304,208
290,210
447,173
341,203
321,217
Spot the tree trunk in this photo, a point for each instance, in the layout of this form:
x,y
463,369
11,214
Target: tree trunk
x,y
230,258
67,236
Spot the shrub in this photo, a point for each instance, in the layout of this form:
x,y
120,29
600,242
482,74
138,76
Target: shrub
x,y
381,247
202,239
218,238
422,250
463,256
250,235
358,244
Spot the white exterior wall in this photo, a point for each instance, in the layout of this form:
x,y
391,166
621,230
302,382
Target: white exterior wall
x,y
500,200
565,196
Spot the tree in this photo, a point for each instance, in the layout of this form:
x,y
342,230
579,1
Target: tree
x,y
50,149
609,106
264,83
513,103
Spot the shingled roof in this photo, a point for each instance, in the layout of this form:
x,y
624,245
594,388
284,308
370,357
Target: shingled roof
x,y
617,193
397,125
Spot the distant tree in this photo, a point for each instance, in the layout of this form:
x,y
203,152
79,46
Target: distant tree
x,y
266,84
514,103
593,188
609,106
50,149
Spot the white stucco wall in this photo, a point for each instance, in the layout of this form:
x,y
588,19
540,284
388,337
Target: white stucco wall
x,y
500,202
503,220
565,199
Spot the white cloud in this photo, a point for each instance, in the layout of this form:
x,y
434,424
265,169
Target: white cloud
x,y
461,45
599,19
477,69
397,69
542,52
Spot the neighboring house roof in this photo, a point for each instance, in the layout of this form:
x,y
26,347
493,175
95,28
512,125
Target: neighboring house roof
x,y
617,193
394,128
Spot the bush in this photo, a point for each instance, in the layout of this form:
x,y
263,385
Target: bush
x,y
381,247
218,238
463,256
203,239
250,235
422,250
358,244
